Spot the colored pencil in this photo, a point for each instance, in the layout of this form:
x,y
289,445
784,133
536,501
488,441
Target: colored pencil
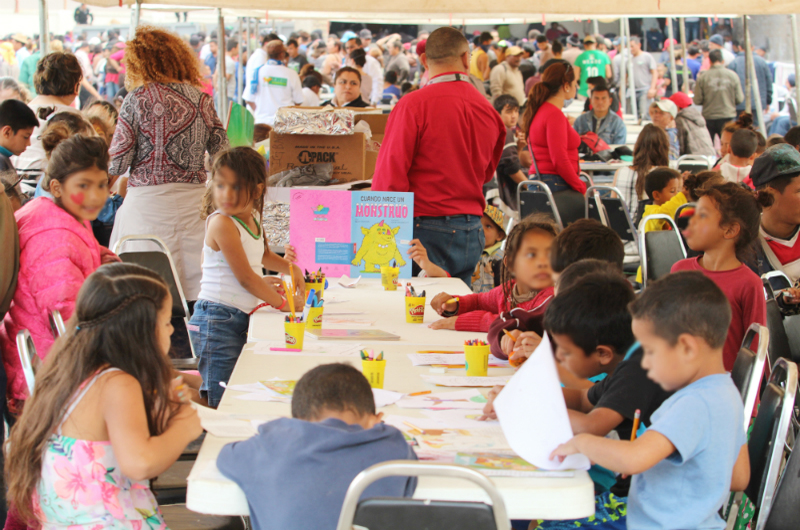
x,y
510,336
420,393
636,417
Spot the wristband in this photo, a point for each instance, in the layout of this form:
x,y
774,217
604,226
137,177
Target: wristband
x,y
282,304
453,313
265,304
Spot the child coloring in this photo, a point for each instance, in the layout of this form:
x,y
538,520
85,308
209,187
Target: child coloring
x,y
104,400
57,248
234,250
694,452
724,227
526,281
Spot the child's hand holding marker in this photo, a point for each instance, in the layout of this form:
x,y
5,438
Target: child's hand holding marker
x,y
509,341
444,303
525,345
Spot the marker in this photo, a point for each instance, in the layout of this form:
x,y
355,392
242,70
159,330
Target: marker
x,y
420,393
636,417
452,300
439,351
281,349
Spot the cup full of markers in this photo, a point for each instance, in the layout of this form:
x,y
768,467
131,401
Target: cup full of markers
x,y
316,281
373,367
294,331
389,274
415,305
312,312
476,358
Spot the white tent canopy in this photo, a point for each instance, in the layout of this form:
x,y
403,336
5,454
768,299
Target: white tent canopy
x,y
457,10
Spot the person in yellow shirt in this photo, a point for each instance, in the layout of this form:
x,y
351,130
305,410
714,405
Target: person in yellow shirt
x,y
663,186
479,62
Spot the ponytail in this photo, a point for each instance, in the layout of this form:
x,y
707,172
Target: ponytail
x,y
554,77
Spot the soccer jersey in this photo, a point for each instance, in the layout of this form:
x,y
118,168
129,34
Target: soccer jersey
x,y
592,64
782,254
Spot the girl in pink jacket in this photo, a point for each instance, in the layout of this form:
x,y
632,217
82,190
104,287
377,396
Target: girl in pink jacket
x,y
57,249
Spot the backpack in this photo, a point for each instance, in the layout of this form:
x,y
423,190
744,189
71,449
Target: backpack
x,y
594,148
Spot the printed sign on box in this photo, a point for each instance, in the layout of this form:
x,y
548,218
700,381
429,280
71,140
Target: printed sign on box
x,y
352,232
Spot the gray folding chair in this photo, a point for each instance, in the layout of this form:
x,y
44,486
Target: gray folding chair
x,y
57,326
778,280
402,514
538,200
161,262
778,338
27,357
659,250
767,443
748,369
612,211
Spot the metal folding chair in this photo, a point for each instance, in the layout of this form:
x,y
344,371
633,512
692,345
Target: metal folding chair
x,y
27,354
748,370
539,200
693,163
401,513
778,338
778,280
57,326
659,250
613,212
161,262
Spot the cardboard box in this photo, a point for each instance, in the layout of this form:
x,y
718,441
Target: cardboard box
x,y
347,153
377,124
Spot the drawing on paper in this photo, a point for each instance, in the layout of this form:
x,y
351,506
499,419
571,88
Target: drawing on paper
x,y
284,388
494,461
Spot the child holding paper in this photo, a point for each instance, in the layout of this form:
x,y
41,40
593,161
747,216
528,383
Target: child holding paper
x,y
295,471
695,451
234,250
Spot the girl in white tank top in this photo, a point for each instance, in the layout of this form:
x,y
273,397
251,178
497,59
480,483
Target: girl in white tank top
x,y
234,252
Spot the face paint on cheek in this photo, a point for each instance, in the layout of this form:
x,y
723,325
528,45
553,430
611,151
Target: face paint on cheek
x,y
77,198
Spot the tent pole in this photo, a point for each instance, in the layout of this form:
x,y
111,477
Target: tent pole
x,y
673,74
136,11
754,82
239,67
622,76
631,83
596,27
221,74
44,32
684,56
796,49
748,79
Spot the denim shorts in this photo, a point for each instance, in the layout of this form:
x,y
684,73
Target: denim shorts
x,y
218,333
454,242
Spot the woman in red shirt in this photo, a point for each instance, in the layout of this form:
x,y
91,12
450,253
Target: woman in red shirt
x,y
551,139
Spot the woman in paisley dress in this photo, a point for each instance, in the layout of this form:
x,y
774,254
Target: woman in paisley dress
x,y
166,126
106,415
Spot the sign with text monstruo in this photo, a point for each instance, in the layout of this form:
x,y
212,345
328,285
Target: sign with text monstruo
x,y
352,232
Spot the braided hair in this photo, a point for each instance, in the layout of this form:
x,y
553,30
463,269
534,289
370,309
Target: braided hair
x,y
114,326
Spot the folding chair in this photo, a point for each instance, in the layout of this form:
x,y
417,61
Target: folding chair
x,y
749,368
693,163
161,262
778,339
768,439
539,200
27,353
659,250
611,211
785,510
778,280
57,326
387,513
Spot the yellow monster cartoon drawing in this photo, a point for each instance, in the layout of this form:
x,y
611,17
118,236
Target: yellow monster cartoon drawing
x,y
378,248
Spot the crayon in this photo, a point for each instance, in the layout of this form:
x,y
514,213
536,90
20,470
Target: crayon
x,y
420,393
380,357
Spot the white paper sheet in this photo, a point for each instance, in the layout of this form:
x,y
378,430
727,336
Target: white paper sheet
x,y
460,418
384,398
464,380
223,425
347,283
314,349
459,399
533,414
262,396
427,359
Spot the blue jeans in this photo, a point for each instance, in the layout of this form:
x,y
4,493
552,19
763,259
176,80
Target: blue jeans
x,y
218,333
556,183
781,125
454,243
111,90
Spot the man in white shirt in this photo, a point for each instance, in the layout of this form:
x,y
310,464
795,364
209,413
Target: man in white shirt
x,y
372,69
88,90
278,86
258,58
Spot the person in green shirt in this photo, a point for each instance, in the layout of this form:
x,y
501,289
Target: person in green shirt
x,y
591,63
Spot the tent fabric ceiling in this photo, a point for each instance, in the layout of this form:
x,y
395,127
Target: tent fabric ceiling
x,y
483,10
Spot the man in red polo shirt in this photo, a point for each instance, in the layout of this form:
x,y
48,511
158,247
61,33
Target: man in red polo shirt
x,y
443,143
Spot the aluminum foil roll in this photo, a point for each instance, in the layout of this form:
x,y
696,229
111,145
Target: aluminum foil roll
x,y
293,120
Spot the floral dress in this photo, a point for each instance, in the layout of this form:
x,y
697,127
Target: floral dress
x,y
82,486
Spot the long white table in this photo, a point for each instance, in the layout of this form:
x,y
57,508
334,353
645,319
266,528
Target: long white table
x,y
525,498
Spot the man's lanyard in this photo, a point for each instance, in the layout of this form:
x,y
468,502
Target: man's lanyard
x,y
449,78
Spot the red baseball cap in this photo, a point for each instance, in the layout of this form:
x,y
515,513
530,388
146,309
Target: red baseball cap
x,y
421,46
668,42
681,100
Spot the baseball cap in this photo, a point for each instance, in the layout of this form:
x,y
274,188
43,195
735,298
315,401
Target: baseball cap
x,y
681,100
668,42
589,38
780,160
421,46
667,105
717,39
496,216
19,37
514,50
347,36
365,34
502,44
574,40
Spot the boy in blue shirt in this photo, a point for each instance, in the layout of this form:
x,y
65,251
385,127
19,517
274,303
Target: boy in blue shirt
x,y
295,471
695,450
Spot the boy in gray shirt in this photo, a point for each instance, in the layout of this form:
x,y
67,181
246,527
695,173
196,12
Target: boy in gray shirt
x,y
295,471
